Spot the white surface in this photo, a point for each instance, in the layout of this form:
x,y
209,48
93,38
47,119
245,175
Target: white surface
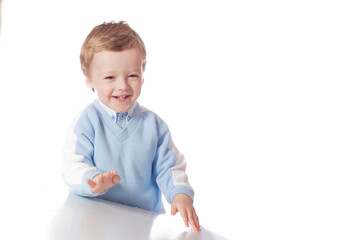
x,y
262,98
85,219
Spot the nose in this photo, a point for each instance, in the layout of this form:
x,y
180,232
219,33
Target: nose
x,y
122,84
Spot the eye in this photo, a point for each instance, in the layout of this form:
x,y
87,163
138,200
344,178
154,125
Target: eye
x,y
133,76
110,77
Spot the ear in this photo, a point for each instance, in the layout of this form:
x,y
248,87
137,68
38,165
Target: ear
x,y
89,83
144,65
142,81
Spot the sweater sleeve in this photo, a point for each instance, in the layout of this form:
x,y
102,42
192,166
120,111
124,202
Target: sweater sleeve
x,y
169,167
77,158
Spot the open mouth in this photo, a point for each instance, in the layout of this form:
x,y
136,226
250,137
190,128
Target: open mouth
x,y
121,98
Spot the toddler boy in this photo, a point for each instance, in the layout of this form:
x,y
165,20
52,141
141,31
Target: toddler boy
x,y
116,149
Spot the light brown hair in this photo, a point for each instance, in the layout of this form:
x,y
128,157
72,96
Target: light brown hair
x,y
112,37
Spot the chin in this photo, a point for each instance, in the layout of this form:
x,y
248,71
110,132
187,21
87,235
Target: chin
x,y
122,109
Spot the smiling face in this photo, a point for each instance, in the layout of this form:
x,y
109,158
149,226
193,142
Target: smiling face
x,y
117,77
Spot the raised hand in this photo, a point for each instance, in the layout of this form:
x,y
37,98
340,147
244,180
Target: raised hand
x,y
102,182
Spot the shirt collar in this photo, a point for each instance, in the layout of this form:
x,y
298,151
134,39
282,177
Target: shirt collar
x,y
112,113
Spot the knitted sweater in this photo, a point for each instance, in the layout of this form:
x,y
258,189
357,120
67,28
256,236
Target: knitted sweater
x,y
143,154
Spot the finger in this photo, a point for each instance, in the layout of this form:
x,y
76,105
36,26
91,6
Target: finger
x,y
191,219
91,183
101,178
107,174
111,172
197,222
97,178
185,218
173,209
116,179
194,221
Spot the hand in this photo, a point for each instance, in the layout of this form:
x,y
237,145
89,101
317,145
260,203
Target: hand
x,y
182,203
102,182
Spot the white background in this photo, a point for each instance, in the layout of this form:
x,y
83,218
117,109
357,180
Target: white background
x,y
262,97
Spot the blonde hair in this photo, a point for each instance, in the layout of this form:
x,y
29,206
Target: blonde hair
x,y
112,37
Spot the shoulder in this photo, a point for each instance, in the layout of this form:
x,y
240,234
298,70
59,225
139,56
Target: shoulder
x,y
85,119
153,118
86,114
150,115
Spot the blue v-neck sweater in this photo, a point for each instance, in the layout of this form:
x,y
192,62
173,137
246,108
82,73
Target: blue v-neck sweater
x,y
143,153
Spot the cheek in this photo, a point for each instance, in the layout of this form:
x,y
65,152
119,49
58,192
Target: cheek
x,y
104,91
136,87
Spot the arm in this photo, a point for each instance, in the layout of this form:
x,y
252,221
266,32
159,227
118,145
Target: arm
x,y
169,168
78,169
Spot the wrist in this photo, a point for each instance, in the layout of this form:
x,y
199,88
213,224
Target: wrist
x,y
181,189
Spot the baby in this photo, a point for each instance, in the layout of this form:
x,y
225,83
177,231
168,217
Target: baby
x,y
116,149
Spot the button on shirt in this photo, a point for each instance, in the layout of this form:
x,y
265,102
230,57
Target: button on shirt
x,y
121,119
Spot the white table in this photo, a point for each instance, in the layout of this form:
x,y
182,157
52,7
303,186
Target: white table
x,y
84,218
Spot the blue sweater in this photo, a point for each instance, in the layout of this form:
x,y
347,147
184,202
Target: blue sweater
x,y
143,153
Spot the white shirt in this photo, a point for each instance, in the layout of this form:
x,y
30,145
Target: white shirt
x,y
113,114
